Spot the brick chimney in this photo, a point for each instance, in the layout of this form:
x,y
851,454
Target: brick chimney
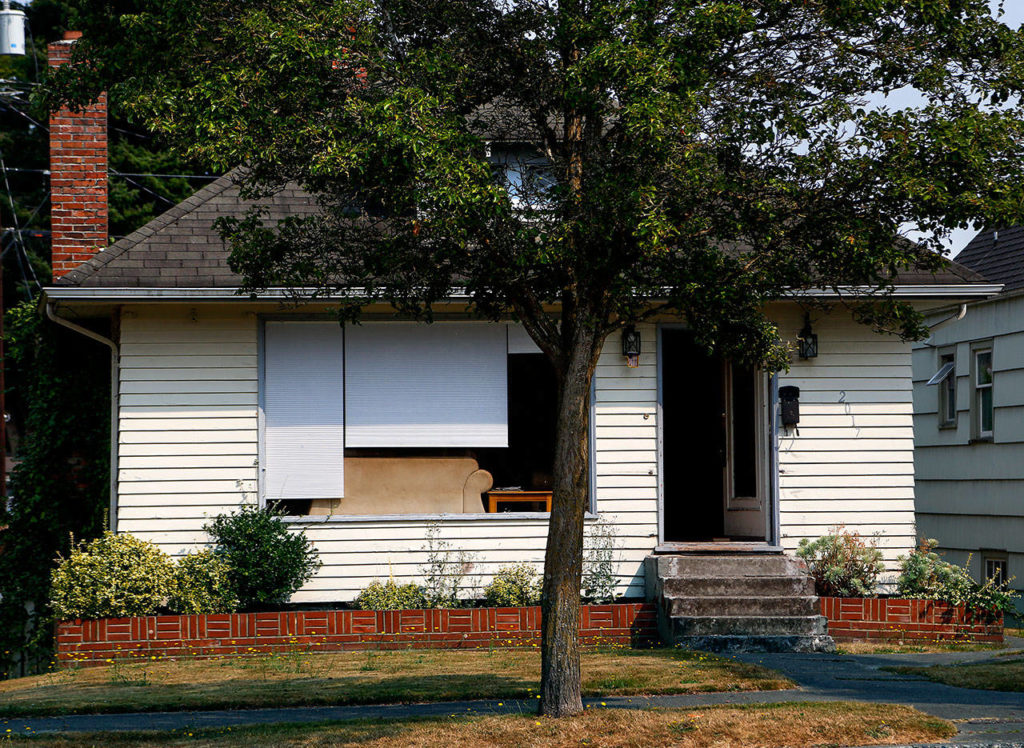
x,y
78,175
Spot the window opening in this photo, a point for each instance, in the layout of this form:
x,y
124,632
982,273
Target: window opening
x,y
983,392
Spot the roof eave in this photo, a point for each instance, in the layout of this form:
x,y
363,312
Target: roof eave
x,y
153,294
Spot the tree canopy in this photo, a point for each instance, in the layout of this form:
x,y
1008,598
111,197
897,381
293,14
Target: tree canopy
x,y
696,156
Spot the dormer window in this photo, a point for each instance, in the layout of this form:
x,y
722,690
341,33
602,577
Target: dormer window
x,y
525,172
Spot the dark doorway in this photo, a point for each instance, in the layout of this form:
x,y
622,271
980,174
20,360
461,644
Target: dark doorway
x,y
693,431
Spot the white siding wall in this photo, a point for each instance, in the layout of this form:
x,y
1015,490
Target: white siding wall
x,y
189,443
971,495
188,448
851,460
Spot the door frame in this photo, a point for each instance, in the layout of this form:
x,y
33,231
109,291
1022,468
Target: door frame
x,y
766,448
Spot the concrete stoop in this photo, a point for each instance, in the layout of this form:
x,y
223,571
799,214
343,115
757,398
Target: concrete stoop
x,y
737,603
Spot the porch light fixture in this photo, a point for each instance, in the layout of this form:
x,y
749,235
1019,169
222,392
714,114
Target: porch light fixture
x,y
808,340
631,346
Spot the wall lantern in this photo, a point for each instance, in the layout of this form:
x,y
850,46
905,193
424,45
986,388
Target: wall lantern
x,y
631,346
808,340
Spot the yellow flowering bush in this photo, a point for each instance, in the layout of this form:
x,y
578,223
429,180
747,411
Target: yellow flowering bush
x,y
514,586
389,595
201,583
112,576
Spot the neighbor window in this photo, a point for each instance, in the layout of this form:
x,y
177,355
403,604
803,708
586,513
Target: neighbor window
x,y
996,570
983,408
945,379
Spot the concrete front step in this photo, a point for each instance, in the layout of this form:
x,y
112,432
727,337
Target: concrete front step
x,y
668,567
690,626
740,586
741,606
726,644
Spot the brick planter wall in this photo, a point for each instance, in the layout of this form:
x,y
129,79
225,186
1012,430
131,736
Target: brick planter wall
x,y
893,618
95,642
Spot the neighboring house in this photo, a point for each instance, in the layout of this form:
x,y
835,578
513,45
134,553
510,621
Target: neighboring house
x,y
969,418
369,434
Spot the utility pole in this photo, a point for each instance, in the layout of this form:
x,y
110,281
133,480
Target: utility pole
x,y
12,42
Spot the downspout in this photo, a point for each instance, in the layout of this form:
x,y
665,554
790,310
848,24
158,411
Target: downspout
x,y
956,316
115,380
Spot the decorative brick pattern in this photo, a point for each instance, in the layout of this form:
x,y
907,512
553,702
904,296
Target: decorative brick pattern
x,y
866,618
95,642
78,175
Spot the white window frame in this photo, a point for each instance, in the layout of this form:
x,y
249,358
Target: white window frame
x,y
978,388
990,562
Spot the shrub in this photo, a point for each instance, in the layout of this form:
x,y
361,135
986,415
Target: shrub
x,y
444,572
390,596
599,581
842,564
514,586
113,576
202,584
923,574
267,561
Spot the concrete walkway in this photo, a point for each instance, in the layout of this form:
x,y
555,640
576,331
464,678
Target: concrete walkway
x,y
985,718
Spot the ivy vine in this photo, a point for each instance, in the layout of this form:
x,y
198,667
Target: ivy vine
x,y
60,382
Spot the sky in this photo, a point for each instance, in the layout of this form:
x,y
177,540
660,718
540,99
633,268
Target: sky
x,y
1013,15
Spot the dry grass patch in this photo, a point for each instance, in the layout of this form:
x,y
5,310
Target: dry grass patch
x,y
303,678
915,647
794,725
1003,675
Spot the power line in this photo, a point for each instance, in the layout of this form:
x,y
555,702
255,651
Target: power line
x,y
115,173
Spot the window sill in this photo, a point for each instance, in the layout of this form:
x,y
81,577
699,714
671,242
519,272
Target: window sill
x,y
949,426
982,440
338,519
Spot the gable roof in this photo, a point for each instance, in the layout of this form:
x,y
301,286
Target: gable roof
x,y
998,256
181,249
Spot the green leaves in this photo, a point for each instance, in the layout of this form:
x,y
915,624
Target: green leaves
x,y
266,561
695,145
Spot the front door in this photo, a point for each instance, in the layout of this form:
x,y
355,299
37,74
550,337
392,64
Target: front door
x,y
713,445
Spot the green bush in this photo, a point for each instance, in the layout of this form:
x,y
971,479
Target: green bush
x,y
514,586
268,562
112,576
923,574
390,596
842,564
202,584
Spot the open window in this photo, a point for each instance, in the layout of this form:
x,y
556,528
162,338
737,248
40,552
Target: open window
x,y
389,418
945,380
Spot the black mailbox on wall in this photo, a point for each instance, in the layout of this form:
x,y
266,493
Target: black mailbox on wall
x,y
789,399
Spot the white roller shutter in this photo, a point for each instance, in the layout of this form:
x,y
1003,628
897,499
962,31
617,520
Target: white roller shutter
x,y
411,384
303,406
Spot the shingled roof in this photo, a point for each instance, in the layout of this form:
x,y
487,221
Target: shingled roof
x,y
182,249
998,256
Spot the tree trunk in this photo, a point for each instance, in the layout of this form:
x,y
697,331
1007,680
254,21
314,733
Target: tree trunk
x,y
563,561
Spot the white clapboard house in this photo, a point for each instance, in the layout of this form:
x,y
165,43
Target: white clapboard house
x,y
369,434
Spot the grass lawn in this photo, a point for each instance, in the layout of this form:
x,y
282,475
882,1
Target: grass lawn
x,y
914,647
301,678
1002,675
833,723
